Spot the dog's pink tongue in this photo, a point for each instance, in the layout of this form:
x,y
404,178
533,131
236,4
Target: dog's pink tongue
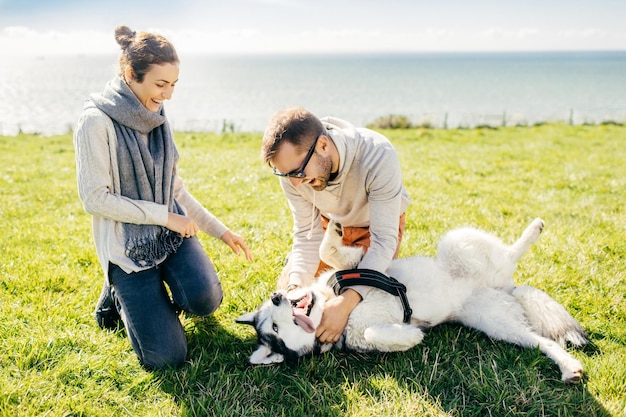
x,y
303,320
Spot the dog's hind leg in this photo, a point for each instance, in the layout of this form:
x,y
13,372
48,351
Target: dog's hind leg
x,y
497,314
529,236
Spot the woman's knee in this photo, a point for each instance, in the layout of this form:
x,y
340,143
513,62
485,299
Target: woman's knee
x,y
205,302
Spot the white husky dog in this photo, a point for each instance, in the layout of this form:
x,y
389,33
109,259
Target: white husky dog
x,y
470,282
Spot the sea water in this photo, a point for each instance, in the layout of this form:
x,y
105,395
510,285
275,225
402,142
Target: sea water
x,y
239,93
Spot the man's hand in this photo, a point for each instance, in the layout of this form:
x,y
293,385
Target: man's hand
x,y
335,317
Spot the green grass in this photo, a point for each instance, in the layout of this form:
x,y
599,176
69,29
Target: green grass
x,y
55,361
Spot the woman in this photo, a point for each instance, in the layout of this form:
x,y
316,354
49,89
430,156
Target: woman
x,y
144,220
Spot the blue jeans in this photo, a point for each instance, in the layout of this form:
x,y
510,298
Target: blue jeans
x,y
150,315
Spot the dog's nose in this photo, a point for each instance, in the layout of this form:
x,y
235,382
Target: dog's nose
x,y
276,298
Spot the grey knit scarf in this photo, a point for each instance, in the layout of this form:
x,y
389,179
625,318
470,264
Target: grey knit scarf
x,y
146,169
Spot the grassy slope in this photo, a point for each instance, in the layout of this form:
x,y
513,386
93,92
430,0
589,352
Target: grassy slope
x,y
55,361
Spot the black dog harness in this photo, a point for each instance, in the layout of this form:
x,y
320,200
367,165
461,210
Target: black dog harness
x,y
371,278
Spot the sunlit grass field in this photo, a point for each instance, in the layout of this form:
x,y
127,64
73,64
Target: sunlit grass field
x,y
55,361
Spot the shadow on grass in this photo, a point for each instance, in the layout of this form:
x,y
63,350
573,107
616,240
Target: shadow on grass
x,y
456,371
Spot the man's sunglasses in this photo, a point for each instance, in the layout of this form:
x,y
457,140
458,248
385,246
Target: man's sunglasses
x,y
299,173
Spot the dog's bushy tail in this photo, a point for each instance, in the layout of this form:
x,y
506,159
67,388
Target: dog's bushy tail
x,y
549,318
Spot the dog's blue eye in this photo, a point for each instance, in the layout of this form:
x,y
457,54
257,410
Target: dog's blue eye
x,y
275,327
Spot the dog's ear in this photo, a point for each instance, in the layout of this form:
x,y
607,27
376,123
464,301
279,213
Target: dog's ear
x,y
247,318
264,356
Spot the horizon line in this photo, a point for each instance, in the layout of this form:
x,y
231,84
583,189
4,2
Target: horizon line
x,y
335,53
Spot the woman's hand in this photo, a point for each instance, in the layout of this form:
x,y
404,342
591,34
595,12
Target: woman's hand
x,y
236,243
183,225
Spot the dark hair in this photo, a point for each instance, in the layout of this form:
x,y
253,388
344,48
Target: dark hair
x,y
141,50
295,125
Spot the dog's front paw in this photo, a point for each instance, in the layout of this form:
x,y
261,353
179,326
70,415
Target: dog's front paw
x,y
336,228
393,337
333,237
333,251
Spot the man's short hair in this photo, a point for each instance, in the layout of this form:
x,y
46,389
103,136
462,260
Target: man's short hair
x,y
295,125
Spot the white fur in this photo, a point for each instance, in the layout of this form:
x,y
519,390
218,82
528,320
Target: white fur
x,y
469,282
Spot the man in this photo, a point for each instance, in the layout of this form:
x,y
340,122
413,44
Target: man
x,y
330,169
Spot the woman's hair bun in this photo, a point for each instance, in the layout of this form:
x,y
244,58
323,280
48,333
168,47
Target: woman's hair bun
x,y
124,36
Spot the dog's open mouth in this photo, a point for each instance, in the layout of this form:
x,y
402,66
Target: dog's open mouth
x,y
301,308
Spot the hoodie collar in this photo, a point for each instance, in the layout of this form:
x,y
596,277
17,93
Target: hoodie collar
x,y
346,154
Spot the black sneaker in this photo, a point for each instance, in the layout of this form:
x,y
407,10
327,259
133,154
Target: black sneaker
x,y
106,313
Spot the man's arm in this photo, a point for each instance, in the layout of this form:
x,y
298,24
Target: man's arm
x,y
307,235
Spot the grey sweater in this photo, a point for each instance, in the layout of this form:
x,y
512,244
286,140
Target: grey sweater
x,y
97,172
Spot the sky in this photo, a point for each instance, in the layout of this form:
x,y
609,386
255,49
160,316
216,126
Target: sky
x,y
44,27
